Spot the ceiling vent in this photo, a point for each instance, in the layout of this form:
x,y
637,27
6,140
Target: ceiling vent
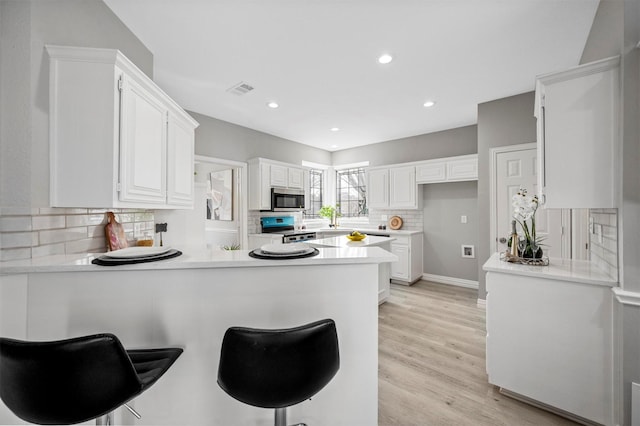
x,y
240,89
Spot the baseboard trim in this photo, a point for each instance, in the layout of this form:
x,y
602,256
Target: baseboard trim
x,y
543,406
450,280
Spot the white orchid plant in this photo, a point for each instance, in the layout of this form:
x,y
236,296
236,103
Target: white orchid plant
x,y
524,209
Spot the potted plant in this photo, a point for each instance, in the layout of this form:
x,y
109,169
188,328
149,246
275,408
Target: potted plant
x,y
524,209
331,213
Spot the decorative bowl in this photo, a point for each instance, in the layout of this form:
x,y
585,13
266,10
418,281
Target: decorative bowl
x,y
356,237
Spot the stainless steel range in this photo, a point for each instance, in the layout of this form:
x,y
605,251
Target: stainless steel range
x,y
285,225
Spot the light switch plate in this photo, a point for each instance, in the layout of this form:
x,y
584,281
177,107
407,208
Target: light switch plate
x,y
463,219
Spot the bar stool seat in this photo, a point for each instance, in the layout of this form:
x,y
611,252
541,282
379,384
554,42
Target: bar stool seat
x,y
76,380
278,368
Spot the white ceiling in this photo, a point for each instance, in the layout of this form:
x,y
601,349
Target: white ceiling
x,y
318,60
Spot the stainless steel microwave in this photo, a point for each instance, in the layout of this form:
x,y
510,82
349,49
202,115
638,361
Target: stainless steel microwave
x,y
287,200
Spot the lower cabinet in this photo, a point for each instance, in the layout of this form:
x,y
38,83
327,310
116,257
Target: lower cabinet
x,y
551,341
408,268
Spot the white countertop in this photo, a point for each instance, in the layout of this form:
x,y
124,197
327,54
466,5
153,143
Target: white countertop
x,y
580,271
343,241
347,229
194,258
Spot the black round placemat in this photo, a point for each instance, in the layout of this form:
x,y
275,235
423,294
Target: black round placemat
x,y
110,261
258,254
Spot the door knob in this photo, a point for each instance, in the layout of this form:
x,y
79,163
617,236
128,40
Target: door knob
x,y
503,240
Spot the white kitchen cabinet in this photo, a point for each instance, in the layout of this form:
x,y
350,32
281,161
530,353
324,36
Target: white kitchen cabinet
x,y
392,188
408,268
116,139
278,176
378,188
431,172
452,169
578,132
295,178
265,174
551,340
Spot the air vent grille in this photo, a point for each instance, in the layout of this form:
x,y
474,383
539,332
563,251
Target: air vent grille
x,y
240,89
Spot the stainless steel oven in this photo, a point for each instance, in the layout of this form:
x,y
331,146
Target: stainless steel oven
x,y
287,200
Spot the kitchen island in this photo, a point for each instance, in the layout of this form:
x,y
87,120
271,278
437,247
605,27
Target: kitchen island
x,y
384,269
190,301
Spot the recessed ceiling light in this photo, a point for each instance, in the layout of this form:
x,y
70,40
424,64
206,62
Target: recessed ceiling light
x,y
429,104
334,129
334,146
385,59
273,105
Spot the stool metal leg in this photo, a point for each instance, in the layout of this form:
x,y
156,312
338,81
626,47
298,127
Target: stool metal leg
x,y
105,420
281,417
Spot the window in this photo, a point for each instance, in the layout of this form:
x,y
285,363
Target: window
x,y
351,192
315,193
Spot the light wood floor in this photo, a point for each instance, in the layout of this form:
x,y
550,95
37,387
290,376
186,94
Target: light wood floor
x,y
432,363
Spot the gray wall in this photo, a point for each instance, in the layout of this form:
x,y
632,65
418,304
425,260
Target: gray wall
x,y
221,139
604,40
507,121
26,27
444,235
448,143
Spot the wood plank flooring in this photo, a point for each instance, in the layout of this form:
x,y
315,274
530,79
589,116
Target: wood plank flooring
x,y
432,363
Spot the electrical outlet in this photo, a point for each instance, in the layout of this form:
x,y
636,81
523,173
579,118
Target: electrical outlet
x,y
383,217
463,218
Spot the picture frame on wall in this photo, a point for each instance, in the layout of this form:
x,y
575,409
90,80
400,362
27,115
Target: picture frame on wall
x,y
220,195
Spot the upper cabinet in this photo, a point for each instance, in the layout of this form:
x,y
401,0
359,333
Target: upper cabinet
x,y
116,139
452,169
392,187
577,124
265,174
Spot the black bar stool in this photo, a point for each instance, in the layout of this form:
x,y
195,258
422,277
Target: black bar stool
x,y
278,368
76,380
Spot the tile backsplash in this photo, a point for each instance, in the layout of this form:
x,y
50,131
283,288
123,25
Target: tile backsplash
x,y
35,232
603,239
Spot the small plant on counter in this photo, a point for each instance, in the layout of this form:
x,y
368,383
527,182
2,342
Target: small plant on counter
x,y
524,208
331,213
231,247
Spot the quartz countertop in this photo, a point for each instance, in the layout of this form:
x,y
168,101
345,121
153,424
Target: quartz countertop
x,y
580,271
343,242
197,258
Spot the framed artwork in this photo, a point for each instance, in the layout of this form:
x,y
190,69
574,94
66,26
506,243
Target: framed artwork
x,y
220,195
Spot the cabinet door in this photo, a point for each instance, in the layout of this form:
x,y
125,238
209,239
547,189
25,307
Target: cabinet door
x,y
578,135
403,188
180,147
378,188
143,145
431,172
464,169
400,269
295,178
278,176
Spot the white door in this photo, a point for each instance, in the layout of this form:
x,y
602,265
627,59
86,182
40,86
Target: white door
x,y
180,140
402,187
515,167
400,269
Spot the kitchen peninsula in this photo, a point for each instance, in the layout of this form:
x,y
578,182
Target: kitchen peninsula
x,y
190,301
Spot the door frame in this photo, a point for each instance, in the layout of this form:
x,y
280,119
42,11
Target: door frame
x,y
241,188
566,246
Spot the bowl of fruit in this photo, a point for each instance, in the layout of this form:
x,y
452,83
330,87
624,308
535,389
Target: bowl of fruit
x,y
356,236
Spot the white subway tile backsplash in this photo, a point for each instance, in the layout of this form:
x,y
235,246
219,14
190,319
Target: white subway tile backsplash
x,y
31,232
10,240
604,250
15,223
48,222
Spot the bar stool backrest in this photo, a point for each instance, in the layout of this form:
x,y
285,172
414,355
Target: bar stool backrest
x,y
67,381
278,368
